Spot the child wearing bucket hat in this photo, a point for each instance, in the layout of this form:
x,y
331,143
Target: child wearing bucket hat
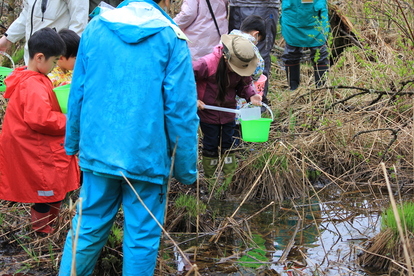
x,y
220,76
253,28
34,167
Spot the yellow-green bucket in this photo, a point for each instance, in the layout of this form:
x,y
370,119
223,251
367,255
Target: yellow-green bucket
x,y
5,71
62,95
256,130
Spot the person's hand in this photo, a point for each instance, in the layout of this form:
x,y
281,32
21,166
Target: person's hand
x,y
4,44
256,100
200,104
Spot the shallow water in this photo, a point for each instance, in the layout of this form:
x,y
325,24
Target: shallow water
x,y
332,245
319,236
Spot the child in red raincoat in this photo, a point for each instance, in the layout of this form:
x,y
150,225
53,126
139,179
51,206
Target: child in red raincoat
x,y
34,167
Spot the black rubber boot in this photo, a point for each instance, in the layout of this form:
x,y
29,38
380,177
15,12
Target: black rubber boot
x,y
319,71
293,75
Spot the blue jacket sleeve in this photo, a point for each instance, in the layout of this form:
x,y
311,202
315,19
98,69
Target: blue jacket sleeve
x,y
180,111
75,101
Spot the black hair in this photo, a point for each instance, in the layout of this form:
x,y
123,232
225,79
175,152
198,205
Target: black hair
x,y
46,41
254,23
222,78
71,40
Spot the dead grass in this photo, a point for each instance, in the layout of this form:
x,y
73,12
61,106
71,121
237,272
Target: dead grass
x,y
26,249
337,136
344,131
384,252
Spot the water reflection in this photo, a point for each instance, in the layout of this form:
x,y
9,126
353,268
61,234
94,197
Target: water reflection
x,y
312,237
325,240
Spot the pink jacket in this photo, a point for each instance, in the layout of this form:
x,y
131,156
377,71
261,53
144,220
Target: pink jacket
x,y
205,73
197,23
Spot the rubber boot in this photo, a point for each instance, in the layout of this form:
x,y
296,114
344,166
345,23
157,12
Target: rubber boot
x,y
229,168
293,75
40,221
54,212
209,165
319,72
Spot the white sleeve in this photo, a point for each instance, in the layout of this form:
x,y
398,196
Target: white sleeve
x,y
17,29
79,15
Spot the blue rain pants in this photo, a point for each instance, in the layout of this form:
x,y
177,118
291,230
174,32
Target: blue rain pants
x,y
101,199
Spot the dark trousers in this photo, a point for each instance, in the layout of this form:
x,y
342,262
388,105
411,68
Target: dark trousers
x,y
44,207
292,54
215,136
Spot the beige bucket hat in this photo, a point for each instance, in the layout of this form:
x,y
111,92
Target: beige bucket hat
x,y
240,54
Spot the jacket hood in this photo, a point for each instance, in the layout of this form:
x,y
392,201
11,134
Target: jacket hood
x,y
152,19
218,50
18,76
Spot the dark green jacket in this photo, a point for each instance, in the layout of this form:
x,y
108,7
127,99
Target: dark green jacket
x,y
305,24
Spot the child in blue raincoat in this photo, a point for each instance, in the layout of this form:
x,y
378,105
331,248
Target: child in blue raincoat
x,y
132,114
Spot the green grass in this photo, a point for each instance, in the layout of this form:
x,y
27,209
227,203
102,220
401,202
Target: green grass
x,y
189,203
406,213
276,162
116,236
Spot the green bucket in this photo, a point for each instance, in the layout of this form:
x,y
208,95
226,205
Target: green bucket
x,y
4,72
62,95
256,130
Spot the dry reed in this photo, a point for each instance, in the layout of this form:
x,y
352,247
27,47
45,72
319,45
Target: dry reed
x,y
342,132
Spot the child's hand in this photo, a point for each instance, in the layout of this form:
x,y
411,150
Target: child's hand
x,y
256,99
200,104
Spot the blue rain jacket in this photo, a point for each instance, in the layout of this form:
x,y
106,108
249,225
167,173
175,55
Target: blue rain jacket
x,y
133,97
305,24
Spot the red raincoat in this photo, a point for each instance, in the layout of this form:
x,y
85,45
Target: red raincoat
x,y
34,167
